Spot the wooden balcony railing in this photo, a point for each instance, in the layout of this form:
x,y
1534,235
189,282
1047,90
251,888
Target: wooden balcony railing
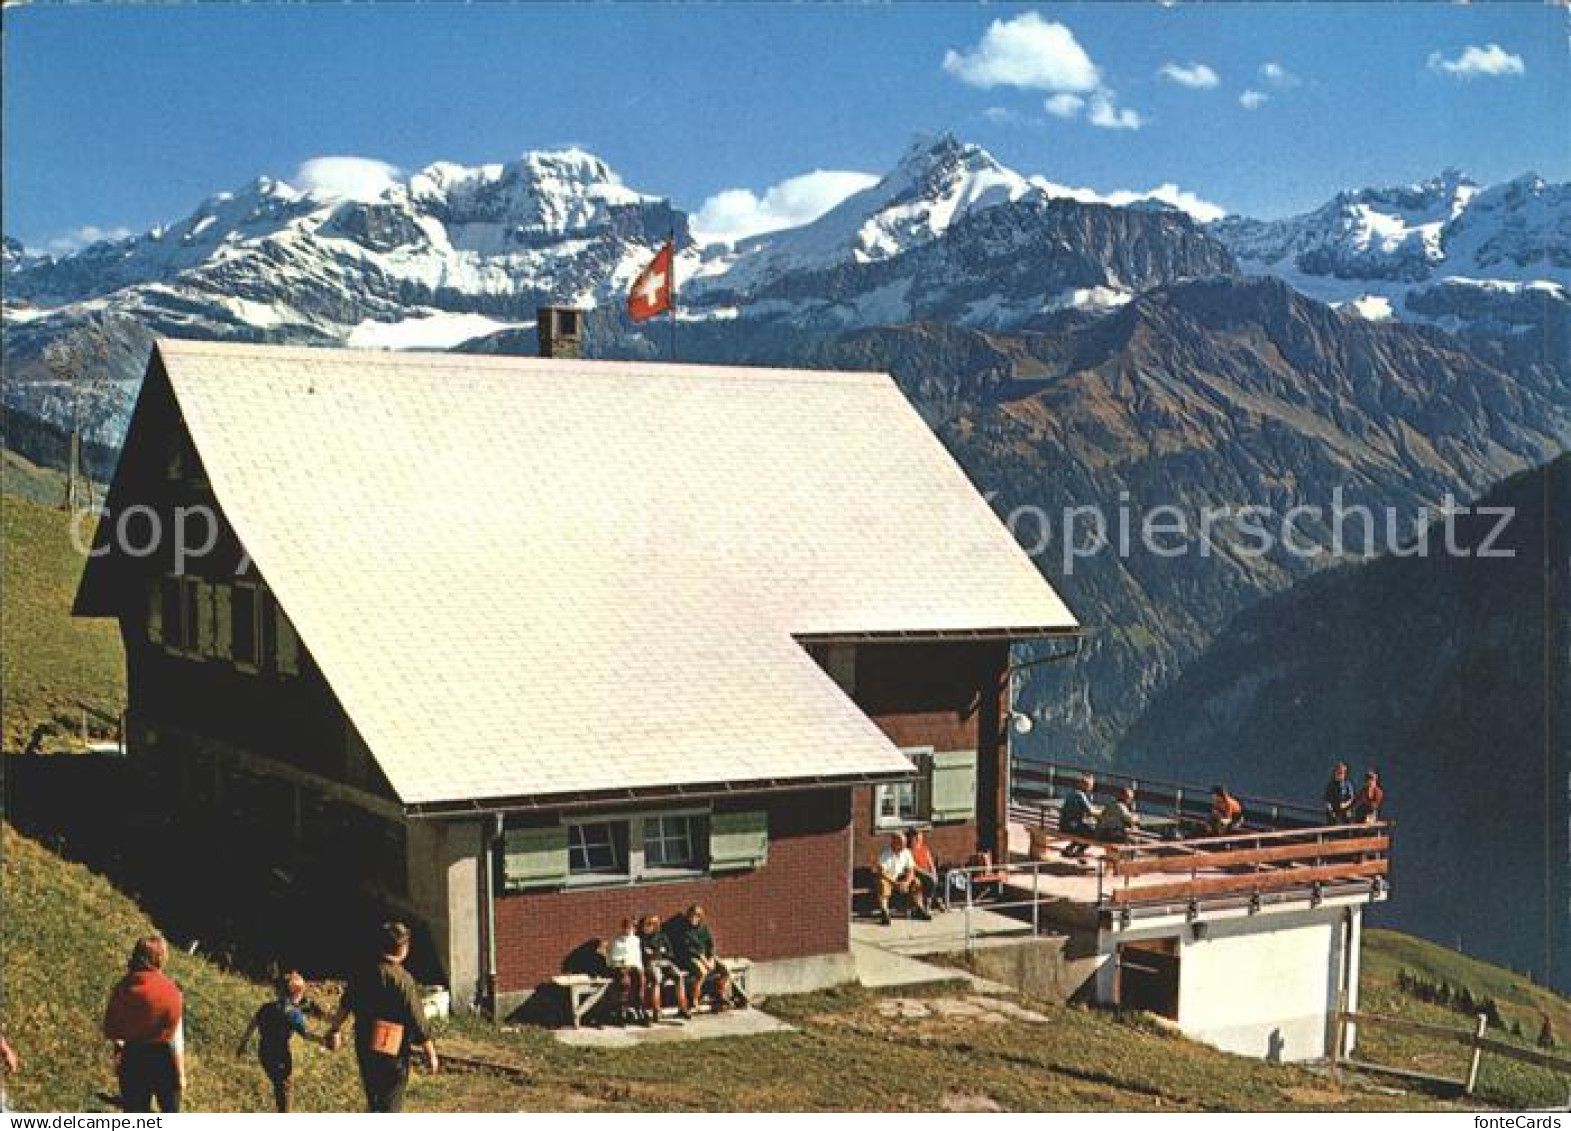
x,y
1282,849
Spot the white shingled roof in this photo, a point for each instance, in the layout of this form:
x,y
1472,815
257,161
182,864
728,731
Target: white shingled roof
x,y
527,578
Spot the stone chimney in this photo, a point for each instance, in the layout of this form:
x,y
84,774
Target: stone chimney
x,y
561,330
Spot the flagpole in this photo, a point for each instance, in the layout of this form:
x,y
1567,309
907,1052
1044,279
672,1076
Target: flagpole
x,y
673,292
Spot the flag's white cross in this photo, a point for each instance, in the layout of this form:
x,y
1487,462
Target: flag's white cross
x,y
652,287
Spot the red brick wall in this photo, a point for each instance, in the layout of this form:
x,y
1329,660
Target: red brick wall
x,y
797,904
943,695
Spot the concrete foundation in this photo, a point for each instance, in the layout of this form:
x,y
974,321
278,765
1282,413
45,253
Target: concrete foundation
x,y
1057,968
802,975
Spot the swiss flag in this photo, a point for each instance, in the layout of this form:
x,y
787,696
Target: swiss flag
x,y
653,292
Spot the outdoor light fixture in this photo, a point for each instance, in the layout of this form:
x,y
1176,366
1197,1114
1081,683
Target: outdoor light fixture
x,y
1020,722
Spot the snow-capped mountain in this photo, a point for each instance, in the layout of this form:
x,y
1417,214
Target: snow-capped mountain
x,y
452,253
950,235
458,256
935,184
455,254
1445,250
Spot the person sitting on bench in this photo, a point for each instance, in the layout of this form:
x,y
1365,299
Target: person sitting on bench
x,y
625,957
895,871
926,870
693,947
1075,818
660,969
1118,819
1226,813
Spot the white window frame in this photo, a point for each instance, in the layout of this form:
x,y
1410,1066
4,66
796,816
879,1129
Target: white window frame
x,y
634,869
918,788
893,791
619,868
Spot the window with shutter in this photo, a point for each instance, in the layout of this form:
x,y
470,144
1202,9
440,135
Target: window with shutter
x,y
952,786
738,841
534,858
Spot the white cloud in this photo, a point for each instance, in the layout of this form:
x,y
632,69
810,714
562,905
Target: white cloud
x,y
1065,105
1196,76
1000,115
1491,61
1028,52
349,178
1169,193
1253,99
737,213
1105,112
1278,77
1198,207
69,243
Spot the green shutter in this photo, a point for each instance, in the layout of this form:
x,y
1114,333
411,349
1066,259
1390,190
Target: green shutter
x,y
204,616
223,623
534,858
286,642
155,610
953,785
738,841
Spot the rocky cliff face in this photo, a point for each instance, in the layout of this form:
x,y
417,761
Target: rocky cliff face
x,y
1214,395
1492,264
1450,676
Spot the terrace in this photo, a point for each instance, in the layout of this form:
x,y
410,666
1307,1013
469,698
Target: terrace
x,y
1284,853
1283,857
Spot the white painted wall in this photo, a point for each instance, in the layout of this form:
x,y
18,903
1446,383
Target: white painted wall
x,y
1265,985
1262,987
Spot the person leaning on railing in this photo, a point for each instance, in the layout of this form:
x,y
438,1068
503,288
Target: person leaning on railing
x,y
1339,796
1366,806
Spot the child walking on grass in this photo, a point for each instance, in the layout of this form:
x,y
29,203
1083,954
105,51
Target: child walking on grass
x,y
276,1023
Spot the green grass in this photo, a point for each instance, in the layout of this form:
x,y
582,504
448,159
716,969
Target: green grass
x,y
1502,1082
65,937
66,933
849,1056
50,663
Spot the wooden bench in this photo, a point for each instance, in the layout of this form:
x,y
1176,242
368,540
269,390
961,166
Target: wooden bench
x,y
741,971
580,994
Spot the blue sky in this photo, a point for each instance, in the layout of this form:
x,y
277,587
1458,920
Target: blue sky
x,y
123,117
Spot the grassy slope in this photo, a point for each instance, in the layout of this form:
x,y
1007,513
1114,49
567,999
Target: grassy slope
x,y
66,931
49,662
1387,953
65,937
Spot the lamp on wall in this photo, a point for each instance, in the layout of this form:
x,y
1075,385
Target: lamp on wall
x,y
1020,722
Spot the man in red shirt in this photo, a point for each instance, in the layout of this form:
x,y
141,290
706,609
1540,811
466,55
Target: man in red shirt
x,y
143,1020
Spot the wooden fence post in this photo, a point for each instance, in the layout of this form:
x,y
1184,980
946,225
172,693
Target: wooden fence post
x,y
1338,1030
1478,1053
